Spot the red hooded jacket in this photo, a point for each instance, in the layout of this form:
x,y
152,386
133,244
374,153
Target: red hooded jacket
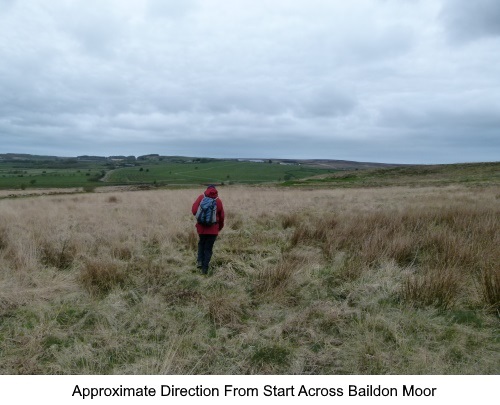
x,y
215,228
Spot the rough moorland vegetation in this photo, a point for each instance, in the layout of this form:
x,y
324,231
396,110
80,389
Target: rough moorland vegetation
x,y
351,281
469,174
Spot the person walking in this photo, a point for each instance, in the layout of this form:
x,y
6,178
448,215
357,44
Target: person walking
x,y
209,213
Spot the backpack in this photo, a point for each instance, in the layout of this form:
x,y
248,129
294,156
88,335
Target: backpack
x,y
207,211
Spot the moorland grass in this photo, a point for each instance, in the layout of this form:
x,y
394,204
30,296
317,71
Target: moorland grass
x,y
470,174
359,281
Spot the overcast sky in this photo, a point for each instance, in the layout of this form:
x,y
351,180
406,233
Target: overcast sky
x,y
396,81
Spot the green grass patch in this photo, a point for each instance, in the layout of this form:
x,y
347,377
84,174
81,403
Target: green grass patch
x,y
227,172
32,174
272,355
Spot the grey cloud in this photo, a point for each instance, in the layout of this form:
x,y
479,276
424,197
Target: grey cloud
x,y
385,148
472,118
455,133
171,8
376,44
5,5
350,80
467,20
327,101
96,30
244,97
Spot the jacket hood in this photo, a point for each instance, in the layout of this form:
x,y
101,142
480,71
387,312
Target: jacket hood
x,y
211,192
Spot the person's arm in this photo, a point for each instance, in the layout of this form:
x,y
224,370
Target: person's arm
x,y
221,215
196,204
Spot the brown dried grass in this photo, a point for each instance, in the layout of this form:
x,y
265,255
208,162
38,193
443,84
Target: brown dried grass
x,y
295,279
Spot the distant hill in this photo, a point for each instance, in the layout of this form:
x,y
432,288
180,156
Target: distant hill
x,y
487,173
25,156
318,163
341,164
22,171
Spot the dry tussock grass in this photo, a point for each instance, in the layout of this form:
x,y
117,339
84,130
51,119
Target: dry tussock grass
x,y
433,287
101,275
324,281
490,283
277,277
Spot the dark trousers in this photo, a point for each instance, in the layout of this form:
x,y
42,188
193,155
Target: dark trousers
x,y
205,247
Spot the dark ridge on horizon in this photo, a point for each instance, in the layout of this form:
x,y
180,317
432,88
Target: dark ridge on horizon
x,y
333,163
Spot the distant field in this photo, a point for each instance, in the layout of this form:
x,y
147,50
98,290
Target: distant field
x,y
71,173
24,175
35,174
211,172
